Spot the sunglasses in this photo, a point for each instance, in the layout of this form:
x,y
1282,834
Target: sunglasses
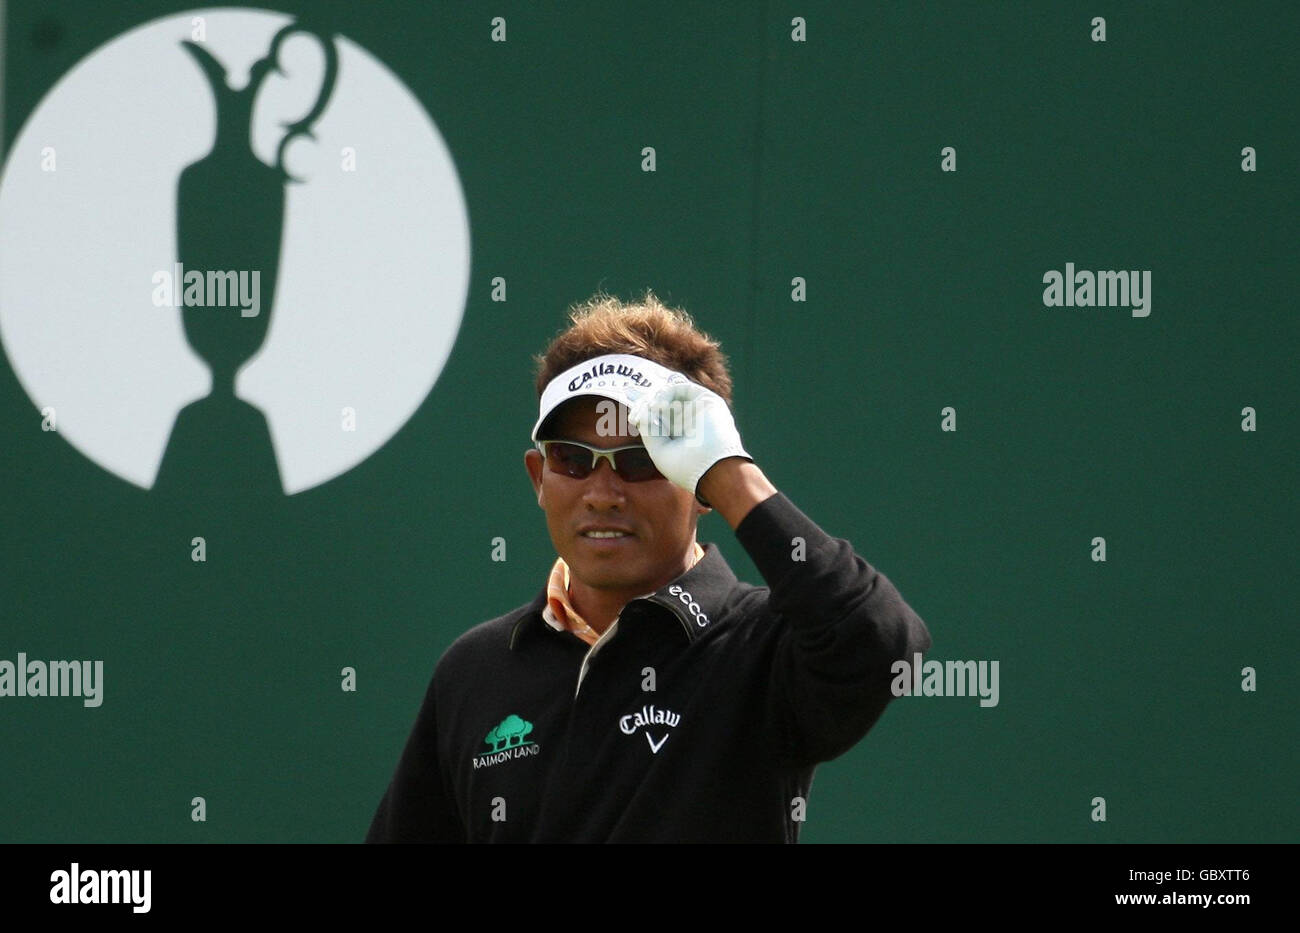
x,y
569,458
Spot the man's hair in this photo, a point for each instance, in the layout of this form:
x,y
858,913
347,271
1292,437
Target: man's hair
x,y
647,328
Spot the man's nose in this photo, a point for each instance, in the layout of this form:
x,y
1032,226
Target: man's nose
x,y
604,483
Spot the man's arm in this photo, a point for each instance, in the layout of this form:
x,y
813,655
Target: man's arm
x,y
418,806
840,625
734,486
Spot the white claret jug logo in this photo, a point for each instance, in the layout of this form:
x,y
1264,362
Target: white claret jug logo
x,y
234,252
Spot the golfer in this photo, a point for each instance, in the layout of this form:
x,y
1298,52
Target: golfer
x,y
646,694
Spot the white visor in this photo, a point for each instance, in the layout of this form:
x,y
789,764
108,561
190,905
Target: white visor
x,y
618,376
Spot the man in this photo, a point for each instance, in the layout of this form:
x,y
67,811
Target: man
x,y
646,694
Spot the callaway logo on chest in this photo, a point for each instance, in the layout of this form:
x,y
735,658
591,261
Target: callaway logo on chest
x,y
650,716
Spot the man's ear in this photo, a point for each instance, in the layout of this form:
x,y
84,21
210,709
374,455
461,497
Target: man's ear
x,y
533,463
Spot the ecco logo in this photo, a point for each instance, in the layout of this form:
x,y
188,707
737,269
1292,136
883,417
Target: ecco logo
x,y
691,605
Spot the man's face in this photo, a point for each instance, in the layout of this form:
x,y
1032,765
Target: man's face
x,y
659,516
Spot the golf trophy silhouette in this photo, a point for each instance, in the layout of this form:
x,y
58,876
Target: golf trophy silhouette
x,y
230,218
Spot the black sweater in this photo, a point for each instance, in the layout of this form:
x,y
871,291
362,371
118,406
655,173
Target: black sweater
x,y
699,720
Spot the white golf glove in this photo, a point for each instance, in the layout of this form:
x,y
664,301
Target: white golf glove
x,y
686,429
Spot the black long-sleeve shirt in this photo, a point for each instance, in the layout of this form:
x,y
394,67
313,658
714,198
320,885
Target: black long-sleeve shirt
x,y
699,719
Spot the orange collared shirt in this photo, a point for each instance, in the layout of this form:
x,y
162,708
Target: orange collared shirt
x,y
559,612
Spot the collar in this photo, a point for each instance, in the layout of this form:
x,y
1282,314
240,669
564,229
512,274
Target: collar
x,y
559,612
695,599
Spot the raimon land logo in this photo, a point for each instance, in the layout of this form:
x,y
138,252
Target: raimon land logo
x,y
234,252
507,739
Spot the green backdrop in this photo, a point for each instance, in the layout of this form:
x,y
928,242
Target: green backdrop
x,y
775,159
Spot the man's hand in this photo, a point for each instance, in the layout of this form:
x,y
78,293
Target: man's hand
x,y
686,429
